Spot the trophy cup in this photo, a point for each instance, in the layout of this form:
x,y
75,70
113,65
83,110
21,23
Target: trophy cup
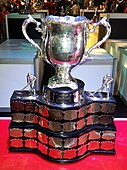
x,y
65,123
64,40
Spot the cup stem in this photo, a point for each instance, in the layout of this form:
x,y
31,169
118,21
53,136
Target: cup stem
x,y
62,78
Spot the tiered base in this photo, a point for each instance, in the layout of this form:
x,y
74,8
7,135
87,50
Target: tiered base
x,y
61,134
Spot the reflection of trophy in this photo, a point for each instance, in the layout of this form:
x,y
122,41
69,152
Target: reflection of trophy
x,y
64,123
64,41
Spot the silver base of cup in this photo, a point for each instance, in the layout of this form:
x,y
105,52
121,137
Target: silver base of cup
x,y
65,96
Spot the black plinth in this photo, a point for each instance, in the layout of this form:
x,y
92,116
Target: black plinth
x,y
62,134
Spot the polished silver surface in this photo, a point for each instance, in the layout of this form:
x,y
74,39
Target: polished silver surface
x,y
16,142
18,117
31,83
16,132
30,133
67,143
106,83
108,135
65,96
64,44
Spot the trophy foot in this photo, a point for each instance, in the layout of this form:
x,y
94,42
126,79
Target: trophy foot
x,y
70,85
55,83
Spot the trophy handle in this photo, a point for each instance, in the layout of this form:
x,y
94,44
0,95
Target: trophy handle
x,y
30,19
106,24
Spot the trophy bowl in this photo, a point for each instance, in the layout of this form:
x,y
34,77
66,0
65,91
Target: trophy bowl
x,y
65,45
66,40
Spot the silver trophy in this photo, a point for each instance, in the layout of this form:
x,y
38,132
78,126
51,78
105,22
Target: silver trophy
x,y
64,46
63,122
